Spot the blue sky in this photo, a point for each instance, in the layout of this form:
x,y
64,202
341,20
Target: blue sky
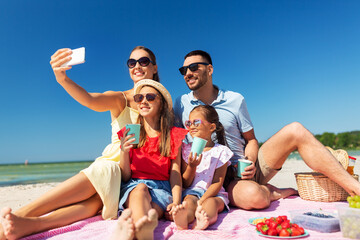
x,y
291,60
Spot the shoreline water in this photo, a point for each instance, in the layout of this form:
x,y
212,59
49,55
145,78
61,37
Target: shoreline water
x,y
17,196
47,172
16,174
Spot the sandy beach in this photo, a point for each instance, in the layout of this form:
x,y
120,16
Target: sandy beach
x,y
19,195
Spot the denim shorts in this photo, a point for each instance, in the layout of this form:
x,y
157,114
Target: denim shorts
x,y
160,191
199,192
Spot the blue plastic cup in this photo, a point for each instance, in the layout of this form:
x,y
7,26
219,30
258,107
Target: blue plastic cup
x,y
198,145
242,164
134,129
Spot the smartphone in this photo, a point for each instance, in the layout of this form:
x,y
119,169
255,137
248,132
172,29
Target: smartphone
x,y
77,57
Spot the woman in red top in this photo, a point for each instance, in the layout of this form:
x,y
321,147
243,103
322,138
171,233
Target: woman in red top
x,y
150,170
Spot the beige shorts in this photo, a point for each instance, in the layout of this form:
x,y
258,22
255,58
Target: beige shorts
x,y
262,176
263,172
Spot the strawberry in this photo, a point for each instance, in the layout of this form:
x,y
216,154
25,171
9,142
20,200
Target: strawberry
x,y
284,233
272,225
272,232
295,225
285,224
295,232
267,221
279,220
259,225
264,229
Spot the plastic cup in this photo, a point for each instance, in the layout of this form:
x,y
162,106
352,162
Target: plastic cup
x,y
242,164
134,129
198,145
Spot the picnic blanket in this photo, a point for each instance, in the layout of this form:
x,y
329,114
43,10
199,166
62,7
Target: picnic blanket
x,y
230,225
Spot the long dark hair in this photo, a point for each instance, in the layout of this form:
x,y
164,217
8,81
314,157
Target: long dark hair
x,y
166,123
212,116
152,58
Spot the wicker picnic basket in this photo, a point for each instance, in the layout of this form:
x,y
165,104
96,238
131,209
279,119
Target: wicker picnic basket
x,y
315,186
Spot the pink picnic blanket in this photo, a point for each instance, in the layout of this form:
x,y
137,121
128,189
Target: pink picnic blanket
x,y
230,225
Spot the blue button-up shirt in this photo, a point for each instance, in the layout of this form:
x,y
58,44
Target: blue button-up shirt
x,y
233,115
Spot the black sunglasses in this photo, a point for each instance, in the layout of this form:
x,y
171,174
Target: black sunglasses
x,y
193,67
144,61
149,97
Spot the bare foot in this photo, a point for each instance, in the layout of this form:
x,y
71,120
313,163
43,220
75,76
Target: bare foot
x,y
180,216
3,213
202,219
2,235
277,193
15,227
124,227
145,226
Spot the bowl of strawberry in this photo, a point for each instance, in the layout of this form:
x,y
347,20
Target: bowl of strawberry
x,y
280,227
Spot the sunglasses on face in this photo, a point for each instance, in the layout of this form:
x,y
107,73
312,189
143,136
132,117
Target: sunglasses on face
x,y
192,67
195,122
138,98
144,61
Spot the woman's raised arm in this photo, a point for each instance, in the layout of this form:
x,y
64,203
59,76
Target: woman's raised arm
x,y
100,102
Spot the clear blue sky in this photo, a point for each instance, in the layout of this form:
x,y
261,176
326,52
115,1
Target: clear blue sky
x,y
292,61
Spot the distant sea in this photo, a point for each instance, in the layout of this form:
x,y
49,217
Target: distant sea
x,y
15,174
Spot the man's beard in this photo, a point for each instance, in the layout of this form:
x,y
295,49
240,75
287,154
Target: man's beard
x,y
199,83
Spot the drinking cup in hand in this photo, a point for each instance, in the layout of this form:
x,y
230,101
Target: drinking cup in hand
x,y
134,129
242,164
198,145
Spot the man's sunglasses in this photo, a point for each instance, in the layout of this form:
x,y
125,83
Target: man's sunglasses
x,y
193,67
140,97
144,61
195,122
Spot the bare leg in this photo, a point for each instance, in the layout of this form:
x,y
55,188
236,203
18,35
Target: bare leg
x,y
16,226
144,215
146,225
207,213
76,189
180,216
295,137
277,193
191,203
248,195
124,227
139,201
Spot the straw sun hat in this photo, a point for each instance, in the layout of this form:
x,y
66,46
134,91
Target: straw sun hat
x,y
158,86
341,155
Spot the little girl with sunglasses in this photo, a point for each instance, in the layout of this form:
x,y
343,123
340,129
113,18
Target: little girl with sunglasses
x,y
150,170
203,175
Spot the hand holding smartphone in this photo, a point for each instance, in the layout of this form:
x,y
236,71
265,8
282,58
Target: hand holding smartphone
x,y
77,57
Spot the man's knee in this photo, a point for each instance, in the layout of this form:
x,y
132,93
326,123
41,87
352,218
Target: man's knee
x,y
249,195
297,131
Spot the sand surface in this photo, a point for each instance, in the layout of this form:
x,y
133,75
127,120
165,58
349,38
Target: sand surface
x,y
19,195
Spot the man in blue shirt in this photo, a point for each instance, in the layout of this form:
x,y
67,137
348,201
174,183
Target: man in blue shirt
x,y
252,191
